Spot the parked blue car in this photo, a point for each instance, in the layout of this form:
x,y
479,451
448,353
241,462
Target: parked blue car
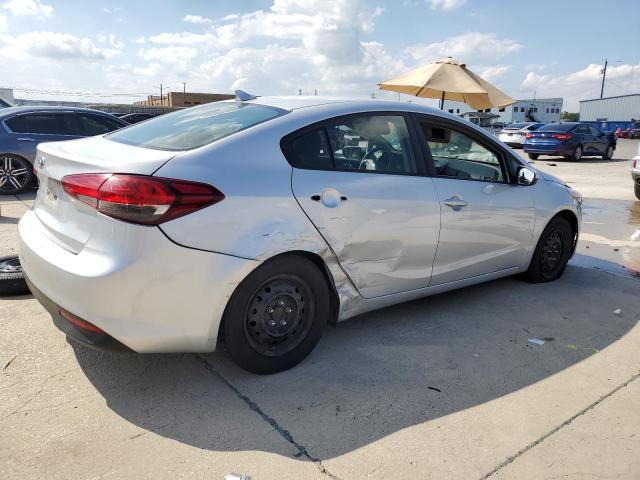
x,y
572,140
23,128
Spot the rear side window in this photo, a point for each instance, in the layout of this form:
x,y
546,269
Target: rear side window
x,y
43,124
364,143
196,126
91,125
556,127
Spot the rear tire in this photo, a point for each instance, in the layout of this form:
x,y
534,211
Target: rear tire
x,y
552,252
277,315
533,156
577,154
608,153
11,277
16,174
636,190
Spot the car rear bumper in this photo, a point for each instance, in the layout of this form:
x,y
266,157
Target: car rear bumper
x,y
144,291
547,149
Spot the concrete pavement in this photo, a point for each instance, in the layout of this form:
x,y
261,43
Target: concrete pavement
x,y
445,387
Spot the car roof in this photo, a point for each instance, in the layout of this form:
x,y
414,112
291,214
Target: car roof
x,y
7,112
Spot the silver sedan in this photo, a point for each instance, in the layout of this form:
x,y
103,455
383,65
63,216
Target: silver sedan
x,y
258,221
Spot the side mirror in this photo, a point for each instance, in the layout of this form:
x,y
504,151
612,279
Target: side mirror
x,y
526,176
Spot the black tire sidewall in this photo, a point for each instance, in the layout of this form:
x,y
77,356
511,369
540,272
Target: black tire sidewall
x,y
534,273
636,189
606,154
573,157
29,181
533,156
235,336
12,283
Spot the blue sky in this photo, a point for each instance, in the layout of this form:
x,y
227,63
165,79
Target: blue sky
x,y
120,51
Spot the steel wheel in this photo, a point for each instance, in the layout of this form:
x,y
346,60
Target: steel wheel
x,y
10,265
15,174
278,315
551,252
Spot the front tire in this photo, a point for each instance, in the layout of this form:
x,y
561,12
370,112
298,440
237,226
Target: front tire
x,y
277,315
608,153
533,156
552,252
16,174
636,190
577,154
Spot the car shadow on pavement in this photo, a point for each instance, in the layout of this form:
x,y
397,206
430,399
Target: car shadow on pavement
x,y
379,373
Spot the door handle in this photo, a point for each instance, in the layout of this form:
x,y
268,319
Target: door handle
x,y
329,197
25,139
456,202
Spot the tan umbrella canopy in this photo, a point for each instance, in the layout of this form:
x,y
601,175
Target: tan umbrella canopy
x,y
448,79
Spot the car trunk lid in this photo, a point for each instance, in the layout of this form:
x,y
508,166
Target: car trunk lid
x,y
70,222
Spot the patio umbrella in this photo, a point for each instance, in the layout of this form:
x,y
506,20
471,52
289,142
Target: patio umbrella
x,y
451,80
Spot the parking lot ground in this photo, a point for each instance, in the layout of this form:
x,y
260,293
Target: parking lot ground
x,y
445,387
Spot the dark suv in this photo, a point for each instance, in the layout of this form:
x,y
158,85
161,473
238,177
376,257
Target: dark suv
x,y
23,128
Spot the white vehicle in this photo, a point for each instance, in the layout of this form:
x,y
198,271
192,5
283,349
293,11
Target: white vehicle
x,y
635,173
515,134
268,218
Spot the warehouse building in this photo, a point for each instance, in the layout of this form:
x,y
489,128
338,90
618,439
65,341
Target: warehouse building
x,y
612,112
545,110
183,99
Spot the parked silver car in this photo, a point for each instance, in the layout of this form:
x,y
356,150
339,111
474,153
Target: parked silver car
x,y
265,219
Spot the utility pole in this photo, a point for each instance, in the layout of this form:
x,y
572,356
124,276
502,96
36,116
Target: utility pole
x,y
299,91
316,92
184,88
160,94
604,75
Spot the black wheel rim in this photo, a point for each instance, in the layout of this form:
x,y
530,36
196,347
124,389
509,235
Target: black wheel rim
x,y
10,265
14,174
551,253
279,315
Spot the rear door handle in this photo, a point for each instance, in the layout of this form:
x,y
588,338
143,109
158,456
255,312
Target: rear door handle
x,y
456,202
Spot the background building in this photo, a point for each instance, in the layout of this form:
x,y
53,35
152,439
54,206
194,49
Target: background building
x,y
7,94
533,110
183,99
611,112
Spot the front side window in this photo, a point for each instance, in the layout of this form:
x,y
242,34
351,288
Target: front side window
x,y
43,124
195,127
456,155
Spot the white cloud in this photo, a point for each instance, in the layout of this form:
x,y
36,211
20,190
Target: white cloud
x,y
493,72
197,20
3,23
447,4
111,40
182,38
584,83
58,46
172,54
28,7
469,48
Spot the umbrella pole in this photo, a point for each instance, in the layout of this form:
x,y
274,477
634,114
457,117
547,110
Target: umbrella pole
x,y
442,101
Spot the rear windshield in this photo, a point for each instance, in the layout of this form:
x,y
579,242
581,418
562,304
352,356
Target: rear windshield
x,y
196,126
517,125
556,127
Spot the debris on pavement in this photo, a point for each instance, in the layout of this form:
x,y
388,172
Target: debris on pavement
x,y
536,341
572,346
434,388
617,311
6,365
552,164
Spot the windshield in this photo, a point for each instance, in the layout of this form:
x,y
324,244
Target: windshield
x,y
196,126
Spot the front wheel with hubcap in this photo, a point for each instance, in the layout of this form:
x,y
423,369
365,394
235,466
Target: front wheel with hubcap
x,y
277,315
16,174
552,252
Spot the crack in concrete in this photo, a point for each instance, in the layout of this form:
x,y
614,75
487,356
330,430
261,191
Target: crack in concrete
x,y
302,450
558,428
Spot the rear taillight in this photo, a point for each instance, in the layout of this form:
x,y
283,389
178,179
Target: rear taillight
x,y
140,199
531,135
562,136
